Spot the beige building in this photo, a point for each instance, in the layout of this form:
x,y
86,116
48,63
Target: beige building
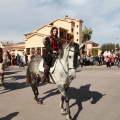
x,y
67,27
90,46
17,48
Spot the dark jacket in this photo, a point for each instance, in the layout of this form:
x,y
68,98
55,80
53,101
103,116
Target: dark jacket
x,y
49,49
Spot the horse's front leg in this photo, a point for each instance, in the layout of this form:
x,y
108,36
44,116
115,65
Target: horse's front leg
x,y
36,93
62,105
68,108
66,99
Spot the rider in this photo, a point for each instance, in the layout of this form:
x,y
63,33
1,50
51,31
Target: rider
x,y
52,45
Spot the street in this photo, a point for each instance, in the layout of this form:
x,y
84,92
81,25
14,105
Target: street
x,y
94,95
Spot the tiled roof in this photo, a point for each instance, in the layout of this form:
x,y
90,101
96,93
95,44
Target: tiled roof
x,y
92,42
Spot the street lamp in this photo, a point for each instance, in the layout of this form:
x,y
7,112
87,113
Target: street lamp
x,y
115,45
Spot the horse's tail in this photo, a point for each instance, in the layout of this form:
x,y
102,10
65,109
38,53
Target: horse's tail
x,y
28,77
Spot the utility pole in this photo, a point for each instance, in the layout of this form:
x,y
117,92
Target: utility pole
x,y
115,45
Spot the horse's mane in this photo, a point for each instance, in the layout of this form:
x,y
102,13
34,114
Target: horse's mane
x,y
77,52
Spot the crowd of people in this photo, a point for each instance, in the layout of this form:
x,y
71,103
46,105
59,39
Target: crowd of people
x,y
100,60
85,60
18,60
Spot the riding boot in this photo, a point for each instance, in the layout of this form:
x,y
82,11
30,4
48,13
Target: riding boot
x,y
46,72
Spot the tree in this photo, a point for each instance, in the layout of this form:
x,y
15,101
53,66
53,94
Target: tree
x,y
109,47
86,34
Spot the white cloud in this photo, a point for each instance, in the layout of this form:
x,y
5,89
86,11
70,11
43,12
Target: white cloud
x,y
18,17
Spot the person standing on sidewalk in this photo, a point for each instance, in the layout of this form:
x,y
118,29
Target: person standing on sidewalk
x,y
107,60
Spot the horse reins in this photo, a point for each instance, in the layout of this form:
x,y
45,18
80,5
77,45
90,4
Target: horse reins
x,y
68,65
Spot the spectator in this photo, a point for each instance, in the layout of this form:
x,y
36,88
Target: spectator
x,y
107,60
21,63
26,59
18,58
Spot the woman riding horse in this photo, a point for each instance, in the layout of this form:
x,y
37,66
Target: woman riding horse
x,y
52,45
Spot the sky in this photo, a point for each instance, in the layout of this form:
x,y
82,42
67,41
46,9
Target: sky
x,y
19,17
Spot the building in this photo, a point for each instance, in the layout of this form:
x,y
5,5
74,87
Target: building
x,y
90,46
17,48
6,46
67,28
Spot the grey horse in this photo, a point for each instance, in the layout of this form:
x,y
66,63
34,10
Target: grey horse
x,y
64,72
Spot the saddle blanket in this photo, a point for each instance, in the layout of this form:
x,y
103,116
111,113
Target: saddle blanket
x,y
41,68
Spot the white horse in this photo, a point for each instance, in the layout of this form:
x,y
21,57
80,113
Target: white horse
x,y
64,72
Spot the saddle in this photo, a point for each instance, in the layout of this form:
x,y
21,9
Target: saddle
x,y
43,63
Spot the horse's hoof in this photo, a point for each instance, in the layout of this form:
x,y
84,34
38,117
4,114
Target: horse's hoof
x,y
68,117
40,102
36,99
63,112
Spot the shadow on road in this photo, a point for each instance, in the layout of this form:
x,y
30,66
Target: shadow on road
x,y
16,77
83,94
15,85
80,95
50,93
10,116
9,73
12,86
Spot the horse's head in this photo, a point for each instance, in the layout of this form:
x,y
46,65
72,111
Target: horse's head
x,y
74,52
71,53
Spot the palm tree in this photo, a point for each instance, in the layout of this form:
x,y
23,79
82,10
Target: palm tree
x,y
86,36
87,32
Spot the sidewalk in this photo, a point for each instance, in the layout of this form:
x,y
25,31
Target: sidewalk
x,y
94,66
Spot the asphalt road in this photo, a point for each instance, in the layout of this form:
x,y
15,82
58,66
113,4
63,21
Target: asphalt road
x,y
94,95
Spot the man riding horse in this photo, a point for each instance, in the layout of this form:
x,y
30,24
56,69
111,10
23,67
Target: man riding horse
x,y
52,45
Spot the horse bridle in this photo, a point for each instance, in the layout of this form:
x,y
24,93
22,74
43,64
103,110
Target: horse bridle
x,y
68,64
70,57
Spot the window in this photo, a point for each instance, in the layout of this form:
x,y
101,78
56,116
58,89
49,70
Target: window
x,y
43,49
38,51
33,50
77,39
77,26
77,33
28,51
61,34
